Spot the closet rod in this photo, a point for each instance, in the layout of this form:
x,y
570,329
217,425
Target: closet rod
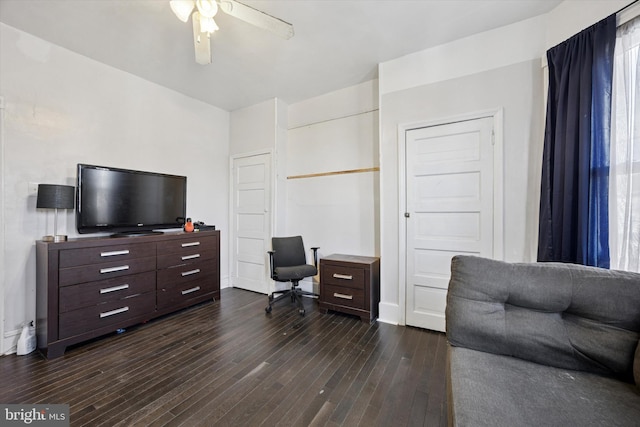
x,y
314,175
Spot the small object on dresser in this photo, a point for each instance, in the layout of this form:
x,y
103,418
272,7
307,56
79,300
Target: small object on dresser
x,y
188,226
55,197
199,225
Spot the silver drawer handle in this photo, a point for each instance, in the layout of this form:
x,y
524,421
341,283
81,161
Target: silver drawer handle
x,y
114,253
113,312
113,289
186,257
343,296
342,276
188,245
114,269
190,272
188,291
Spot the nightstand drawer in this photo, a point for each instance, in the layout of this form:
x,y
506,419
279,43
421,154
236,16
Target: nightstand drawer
x,y
107,270
115,312
351,277
94,293
101,254
343,296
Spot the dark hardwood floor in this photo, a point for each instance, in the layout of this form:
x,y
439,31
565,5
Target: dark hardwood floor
x,y
227,363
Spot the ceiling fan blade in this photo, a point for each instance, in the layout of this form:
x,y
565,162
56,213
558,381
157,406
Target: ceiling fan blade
x,y
257,18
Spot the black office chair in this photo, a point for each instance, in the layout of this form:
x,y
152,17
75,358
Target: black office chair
x,y
288,263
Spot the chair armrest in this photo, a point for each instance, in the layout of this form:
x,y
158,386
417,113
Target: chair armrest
x,y
271,269
315,256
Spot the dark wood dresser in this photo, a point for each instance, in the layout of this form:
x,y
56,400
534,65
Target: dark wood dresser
x,y
350,284
89,287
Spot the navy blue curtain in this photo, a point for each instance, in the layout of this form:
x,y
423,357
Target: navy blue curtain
x,y
574,192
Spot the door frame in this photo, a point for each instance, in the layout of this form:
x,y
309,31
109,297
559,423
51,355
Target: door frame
x,y
498,191
272,206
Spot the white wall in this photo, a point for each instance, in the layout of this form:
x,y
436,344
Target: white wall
x,y
499,69
335,132
280,193
573,16
61,109
2,224
253,129
331,133
258,129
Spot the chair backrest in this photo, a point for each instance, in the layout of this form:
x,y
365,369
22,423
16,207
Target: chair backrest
x,y
288,251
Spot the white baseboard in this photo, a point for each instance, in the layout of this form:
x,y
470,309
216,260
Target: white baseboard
x,y
10,341
388,313
224,282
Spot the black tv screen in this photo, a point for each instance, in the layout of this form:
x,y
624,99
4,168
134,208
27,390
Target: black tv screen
x,y
128,201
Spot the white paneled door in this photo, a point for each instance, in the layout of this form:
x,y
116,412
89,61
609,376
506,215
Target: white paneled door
x,y
251,222
449,210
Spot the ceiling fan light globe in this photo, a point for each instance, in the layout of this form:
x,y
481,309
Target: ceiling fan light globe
x,y
182,8
207,8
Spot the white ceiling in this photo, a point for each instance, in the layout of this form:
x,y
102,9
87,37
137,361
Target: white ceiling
x,y
337,43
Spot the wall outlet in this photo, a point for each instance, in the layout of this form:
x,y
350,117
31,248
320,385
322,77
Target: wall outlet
x,y
32,189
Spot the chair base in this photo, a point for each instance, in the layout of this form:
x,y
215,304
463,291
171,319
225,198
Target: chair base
x,y
294,293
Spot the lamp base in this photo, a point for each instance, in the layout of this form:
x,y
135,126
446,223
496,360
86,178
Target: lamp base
x,y
56,238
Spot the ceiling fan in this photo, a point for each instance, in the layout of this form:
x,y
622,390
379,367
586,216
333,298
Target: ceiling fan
x,y
204,25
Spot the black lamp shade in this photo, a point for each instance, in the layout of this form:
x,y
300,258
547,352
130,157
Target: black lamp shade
x,y
52,196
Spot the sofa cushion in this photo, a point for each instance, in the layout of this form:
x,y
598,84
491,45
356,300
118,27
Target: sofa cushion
x,y
494,390
562,315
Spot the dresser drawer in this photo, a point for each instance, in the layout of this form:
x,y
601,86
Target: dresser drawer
x,y
185,273
179,294
191,255
106,270
190,244
93,293
112,253
339,295
350,277
111,313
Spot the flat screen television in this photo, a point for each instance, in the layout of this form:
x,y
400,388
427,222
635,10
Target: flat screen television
x,y
124,201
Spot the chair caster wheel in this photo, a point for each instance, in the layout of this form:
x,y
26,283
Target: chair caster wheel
x,y
268,309
302,312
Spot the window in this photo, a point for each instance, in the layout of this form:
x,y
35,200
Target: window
x,y
624,178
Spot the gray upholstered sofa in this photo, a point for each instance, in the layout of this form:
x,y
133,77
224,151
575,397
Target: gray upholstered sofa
x,y
542,344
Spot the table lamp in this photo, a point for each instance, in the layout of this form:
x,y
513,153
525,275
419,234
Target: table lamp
x,y
51,196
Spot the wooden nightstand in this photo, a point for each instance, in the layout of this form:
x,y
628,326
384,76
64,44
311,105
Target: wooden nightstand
x,y
350,284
